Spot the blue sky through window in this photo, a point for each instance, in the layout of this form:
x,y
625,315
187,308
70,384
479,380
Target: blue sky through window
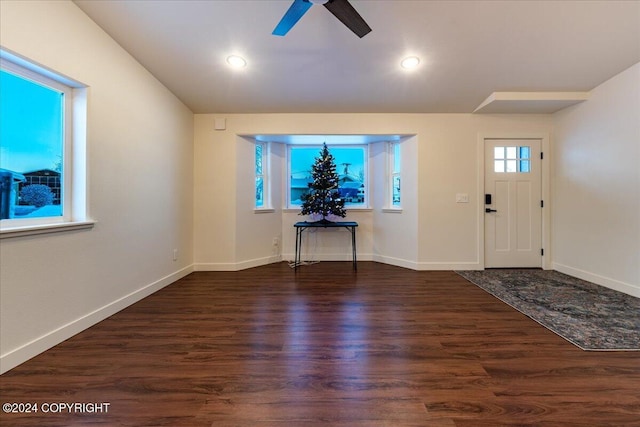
x,y
350,166
303,157
31,120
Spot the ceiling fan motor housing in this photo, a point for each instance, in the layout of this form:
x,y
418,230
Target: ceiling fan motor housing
x,y
341,9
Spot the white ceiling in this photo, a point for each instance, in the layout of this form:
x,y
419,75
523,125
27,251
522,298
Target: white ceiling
x,y
469,49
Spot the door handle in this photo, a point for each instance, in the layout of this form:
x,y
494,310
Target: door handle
x,y
489,210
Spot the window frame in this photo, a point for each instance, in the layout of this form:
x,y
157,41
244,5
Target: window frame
x,y
365,205
73,180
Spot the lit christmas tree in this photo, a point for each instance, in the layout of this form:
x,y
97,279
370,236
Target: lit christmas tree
x,y
323,198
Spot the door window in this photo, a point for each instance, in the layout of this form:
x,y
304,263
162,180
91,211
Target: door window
x,y
512,159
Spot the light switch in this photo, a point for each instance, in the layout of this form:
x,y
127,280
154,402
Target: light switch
x,y
462,198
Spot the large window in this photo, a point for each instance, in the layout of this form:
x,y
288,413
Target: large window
x,y
36,129
351,166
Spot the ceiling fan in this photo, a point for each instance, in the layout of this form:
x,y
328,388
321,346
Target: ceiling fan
x,y
341,9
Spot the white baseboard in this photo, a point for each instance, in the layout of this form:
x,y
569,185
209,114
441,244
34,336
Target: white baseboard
x,y
237,266
329,257
242,265
398,262
413,265
15,357
449,266
607,282
215,266
427,266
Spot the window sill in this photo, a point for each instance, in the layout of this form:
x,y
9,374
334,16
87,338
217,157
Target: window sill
x,y
294,210
392,210
264,210
32,230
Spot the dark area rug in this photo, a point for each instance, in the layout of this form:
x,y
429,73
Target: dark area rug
x,y
590,316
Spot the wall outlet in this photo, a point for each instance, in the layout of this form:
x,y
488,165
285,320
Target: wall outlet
x,y
175,254
276,242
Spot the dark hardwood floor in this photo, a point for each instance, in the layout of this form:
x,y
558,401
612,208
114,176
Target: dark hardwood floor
x,y
324,346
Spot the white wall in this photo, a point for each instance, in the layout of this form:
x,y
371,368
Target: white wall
x,y
433,232
256,230
395,234
596,215
140,161
214,196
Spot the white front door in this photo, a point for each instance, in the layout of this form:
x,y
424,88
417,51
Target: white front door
x,y
513,205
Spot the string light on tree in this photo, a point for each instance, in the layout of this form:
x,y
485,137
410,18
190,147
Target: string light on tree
x,y
322,197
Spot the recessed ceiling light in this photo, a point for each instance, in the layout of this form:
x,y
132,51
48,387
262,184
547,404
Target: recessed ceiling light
x,y
410,62
236,61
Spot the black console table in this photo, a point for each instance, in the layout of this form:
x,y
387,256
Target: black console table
x,y
304,225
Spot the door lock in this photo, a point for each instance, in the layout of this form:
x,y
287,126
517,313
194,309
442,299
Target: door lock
x,y
489,210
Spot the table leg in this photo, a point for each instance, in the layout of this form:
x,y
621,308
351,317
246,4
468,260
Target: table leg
x,y
296,259
353,248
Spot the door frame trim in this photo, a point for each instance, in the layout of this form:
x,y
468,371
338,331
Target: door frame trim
x,y
546,190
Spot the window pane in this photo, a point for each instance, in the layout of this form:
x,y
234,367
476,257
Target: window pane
x,y
301,160
498,153
524,166
498,166
396,158
259,192
396,191
511,165
511,152
31,145
524,152
350,167
258,159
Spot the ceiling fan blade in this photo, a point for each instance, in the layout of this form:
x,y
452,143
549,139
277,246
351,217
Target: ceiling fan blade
x,y
343,10
293,15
